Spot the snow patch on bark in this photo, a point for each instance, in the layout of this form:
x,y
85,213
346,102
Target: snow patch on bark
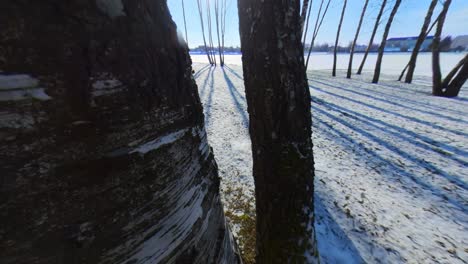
x,y
159,142
17,81
20,87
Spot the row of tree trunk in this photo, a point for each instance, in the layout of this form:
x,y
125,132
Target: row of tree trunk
x,y
220,10
374,32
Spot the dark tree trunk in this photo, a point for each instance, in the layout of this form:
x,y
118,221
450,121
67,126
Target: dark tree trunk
x,y
351,55
104,156
278,101
338,37
436,74
374,32
419,42
456,83
403,72
427,33
454,71
384,41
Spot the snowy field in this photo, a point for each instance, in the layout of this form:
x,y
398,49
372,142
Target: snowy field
x,y
391,160
392,63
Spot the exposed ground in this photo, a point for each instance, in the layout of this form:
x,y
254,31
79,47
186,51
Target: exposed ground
x,y
391,163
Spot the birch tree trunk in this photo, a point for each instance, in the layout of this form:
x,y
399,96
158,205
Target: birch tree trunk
x,y
278,101
350,65
104,155
384,41
338,37
374,32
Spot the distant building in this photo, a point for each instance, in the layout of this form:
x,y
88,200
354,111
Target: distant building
x,y
406,44
460,43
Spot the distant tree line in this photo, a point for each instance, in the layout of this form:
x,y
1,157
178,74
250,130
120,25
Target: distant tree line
x,y
445,46
201,49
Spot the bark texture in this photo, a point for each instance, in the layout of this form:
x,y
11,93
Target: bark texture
x,y
104,157
278,101
384,41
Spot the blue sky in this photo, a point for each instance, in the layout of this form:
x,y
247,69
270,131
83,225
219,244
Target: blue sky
x,y
407,22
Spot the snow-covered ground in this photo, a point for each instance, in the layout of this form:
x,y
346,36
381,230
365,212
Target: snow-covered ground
x,y
391,162
392,63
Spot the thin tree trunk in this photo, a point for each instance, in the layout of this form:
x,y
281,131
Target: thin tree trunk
x,y
384,41
403,72
185,22
374,32
278,101
305,6
223,25
210,32
419,42
218,33
338,37
351,55
436,74
200,12
316,30
307,24
427,33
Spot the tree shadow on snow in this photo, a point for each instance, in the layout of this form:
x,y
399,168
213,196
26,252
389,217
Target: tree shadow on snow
x,y
233,72
236,97
388,92
391,167
208,85
333,244
201,71
385,100
407,117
